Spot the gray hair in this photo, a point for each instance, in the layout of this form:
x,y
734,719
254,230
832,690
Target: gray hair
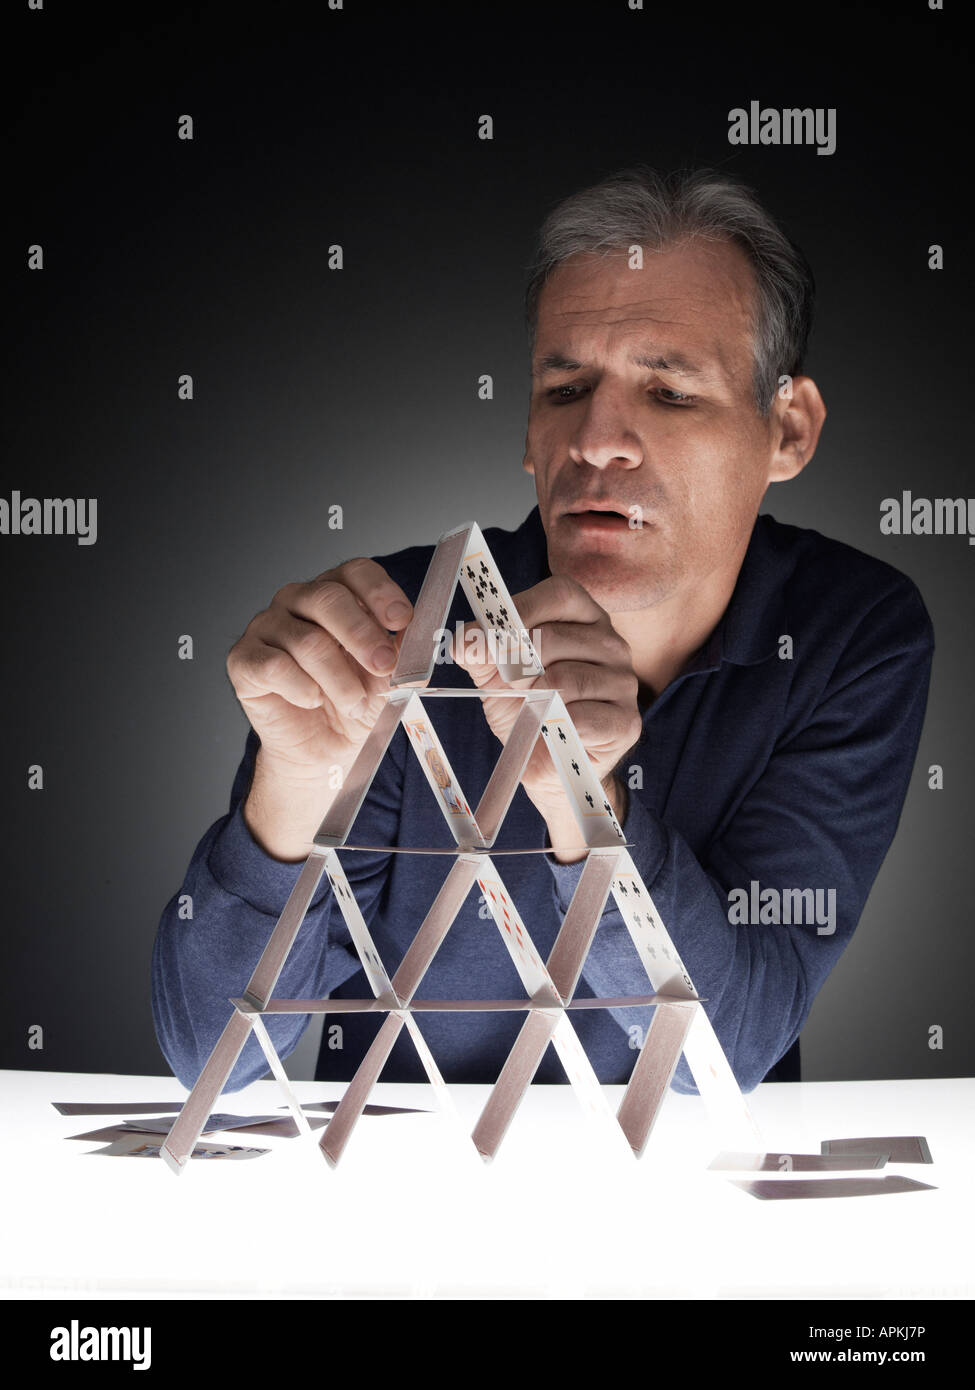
x,y
638,206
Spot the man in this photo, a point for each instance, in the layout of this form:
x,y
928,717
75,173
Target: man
x,y
751,694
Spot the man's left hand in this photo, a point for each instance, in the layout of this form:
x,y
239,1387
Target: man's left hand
x,y
590,665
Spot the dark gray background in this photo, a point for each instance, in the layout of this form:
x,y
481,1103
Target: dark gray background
x,y
359,388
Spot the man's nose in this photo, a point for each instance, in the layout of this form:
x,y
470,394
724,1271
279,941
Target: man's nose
x,y
604,432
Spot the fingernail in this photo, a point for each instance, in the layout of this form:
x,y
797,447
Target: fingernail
x,y
384,658
397,611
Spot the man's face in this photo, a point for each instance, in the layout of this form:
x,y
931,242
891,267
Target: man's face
x,y
642,397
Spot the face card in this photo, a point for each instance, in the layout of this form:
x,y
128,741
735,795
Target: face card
x,y
440,775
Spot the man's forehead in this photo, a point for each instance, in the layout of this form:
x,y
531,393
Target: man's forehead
x,y
689,307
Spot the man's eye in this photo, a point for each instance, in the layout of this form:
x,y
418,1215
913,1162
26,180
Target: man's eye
x,y
564,395
554,394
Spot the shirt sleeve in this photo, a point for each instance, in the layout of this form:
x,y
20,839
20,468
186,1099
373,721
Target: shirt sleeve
x,y
821,815
235,893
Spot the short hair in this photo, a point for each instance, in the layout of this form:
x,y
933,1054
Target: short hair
x,y
638,206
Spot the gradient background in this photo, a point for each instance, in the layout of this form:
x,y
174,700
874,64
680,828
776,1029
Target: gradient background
x,y
359,387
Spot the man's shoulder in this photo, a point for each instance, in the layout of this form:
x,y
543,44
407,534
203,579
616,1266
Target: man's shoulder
x,y
520,554
838,587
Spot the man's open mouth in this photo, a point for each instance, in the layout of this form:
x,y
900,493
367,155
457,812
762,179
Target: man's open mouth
x,y
606,516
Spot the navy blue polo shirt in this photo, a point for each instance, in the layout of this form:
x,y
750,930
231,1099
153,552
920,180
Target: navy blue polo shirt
x,y
763,796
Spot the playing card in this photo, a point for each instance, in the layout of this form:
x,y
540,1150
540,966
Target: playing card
x,y
514,934
114,1107
511,647
568,955
597,822
212,1125
341,814
379,981
440,775
435,926
578,1069
338,1131
513,1081
795,1163
440,1090
717,1086
902,1148
418,648
785,1189
647,1087
140,1148
657,951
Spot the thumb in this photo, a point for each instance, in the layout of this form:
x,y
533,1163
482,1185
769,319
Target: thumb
x,y
473,655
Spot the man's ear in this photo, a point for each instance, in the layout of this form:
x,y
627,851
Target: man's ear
x,y
797,419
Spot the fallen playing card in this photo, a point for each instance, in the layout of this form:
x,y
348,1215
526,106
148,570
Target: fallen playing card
x,y
796,1163
214,1123
903,1148
138,1148
111,1107
778,1189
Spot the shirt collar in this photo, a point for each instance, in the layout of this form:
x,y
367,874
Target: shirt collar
x,y
754,620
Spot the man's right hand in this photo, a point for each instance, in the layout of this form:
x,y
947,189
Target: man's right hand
x,y
308,672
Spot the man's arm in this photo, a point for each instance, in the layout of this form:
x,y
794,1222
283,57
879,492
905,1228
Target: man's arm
x,y
236,893
821,815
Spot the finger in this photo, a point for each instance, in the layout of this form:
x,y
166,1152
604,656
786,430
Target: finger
x,y
605,728
598,643
473,653
382,596
257,668
356,619
558,597
338,675
584,680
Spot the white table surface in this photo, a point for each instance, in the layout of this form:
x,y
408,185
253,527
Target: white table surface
x,y
412,1211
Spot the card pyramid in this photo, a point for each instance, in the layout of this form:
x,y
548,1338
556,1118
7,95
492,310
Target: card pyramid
x,y
680,1023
